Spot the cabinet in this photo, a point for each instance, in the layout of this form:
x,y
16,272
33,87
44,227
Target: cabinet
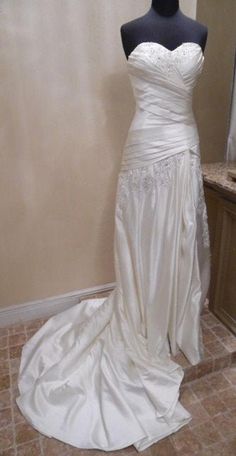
x,y
221,209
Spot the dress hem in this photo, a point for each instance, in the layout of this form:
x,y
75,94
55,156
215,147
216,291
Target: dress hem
x,y
120,447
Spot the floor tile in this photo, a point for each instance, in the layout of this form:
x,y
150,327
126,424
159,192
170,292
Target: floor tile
x,y
162,448
15,352
5,417
185,442
214,405
210,320
17,339
16,329
4,382
220,331
25,433
216,348
201,388
230,374
29,449
3,341
207,433
218,381
198,412
222,361
226,423
6,437
3,353
229,343
228,396
5,399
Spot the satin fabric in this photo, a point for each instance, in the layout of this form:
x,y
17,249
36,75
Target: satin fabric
x,y
101,374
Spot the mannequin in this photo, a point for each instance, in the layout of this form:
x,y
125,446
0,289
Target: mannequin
x,y
165,24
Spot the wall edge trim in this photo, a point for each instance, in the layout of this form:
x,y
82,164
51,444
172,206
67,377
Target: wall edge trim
x,y
46,307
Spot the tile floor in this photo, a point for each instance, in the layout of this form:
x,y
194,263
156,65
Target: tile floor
x,y
208,392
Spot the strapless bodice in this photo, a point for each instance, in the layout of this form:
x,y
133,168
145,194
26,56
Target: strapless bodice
x,y
162,82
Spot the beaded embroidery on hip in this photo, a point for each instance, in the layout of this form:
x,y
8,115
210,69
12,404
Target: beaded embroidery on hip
x,y
151,177
202,209
146,178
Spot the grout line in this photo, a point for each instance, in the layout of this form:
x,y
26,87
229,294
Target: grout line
x,y
36,439
41,444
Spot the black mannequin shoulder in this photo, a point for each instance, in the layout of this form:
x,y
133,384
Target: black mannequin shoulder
x,y
133,32
199,31
131,26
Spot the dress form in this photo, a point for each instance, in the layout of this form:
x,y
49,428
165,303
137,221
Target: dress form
x,y
164,23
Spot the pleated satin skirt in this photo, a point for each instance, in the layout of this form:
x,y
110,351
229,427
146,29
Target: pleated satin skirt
x,y
162,242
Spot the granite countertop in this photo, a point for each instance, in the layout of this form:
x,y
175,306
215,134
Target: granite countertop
x,y
215,175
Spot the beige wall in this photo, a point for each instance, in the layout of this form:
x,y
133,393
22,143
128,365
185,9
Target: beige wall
x,y
65,109
212,95
189,7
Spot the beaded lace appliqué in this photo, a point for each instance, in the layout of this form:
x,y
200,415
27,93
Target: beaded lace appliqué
x,y
201,208
166,59
149,178
145,178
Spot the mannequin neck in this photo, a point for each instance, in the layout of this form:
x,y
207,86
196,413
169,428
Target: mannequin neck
x,y
165,7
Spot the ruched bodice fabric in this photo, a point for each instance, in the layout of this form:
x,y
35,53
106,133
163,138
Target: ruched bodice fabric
x,y
101,374
164,123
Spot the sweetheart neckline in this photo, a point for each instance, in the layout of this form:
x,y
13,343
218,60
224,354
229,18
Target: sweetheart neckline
x,y
171,51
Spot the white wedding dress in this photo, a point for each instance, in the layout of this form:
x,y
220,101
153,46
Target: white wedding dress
x,y
101,374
